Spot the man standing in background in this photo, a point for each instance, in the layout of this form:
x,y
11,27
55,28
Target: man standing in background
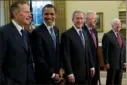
x,y
91,32
114,54
16,64
45,43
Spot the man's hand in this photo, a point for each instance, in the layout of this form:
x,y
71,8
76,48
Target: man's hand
x,y
57,77
71,78
92,72
107,66
124,65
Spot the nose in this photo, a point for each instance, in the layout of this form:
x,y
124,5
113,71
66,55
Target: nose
x,y
49,16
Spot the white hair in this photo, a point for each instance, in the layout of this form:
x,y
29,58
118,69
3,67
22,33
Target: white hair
x,y
114,21
88,13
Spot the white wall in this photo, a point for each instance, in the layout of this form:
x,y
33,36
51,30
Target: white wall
x,y
1,13
109,9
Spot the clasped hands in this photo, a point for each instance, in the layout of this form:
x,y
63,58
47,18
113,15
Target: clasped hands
x,y
58,78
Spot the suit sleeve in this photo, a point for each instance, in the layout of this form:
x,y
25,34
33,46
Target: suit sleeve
x,y
38,52
124,51
105,48
2,56
65,48
89,55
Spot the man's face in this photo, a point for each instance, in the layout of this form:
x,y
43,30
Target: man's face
x,y
23,15
78,20
92,20
117,26
49,16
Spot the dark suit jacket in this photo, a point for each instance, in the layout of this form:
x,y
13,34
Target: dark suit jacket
x,y
112,53
77,59
94,50
15,60
45,55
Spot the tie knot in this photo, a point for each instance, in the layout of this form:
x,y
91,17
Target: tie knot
x,y
91,30
80,31
22,31
51,29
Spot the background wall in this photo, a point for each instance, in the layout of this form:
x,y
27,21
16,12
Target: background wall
x,y
109,9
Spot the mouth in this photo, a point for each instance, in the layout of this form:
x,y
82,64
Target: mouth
x,y
28,19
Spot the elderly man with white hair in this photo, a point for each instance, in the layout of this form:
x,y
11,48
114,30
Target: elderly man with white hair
x,y
91,32
113,47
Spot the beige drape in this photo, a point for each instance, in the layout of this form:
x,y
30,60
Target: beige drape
x,y
7,4
61,15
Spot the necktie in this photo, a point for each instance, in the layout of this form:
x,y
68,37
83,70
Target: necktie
x,y
24,38
53,36
82,38
119,40
93,37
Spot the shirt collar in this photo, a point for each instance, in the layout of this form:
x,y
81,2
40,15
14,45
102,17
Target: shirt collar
x,y
48,27
77,30
19,28
115,32
88,27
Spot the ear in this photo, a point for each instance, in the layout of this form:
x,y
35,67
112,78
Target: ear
x,y
15,12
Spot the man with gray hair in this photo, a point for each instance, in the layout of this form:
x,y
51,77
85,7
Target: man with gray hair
x,y
91,32
77,58
113,47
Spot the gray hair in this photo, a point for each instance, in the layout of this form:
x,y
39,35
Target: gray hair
x,y
77,12
89,13
114,21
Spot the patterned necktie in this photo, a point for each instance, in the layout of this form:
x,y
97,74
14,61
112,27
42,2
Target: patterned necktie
x,y
119,40
82,38
24,37
53,36
93,37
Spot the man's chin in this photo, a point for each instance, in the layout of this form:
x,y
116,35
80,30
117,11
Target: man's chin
x,y
49,23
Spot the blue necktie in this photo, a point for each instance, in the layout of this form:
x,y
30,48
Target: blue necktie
x,y
82,38
24,37
53,36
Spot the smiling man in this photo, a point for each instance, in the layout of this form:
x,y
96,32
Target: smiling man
x,y
45,39
77,59
16,66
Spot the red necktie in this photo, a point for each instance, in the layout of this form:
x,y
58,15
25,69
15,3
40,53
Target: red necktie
x,y
93,37
119,40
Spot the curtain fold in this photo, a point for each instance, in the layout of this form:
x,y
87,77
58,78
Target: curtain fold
x,y
7,4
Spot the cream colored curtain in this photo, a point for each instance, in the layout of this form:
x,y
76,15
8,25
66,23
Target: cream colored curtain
x,y
7,4
61,15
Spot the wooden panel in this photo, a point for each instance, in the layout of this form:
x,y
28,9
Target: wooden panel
x,y
61,15
101,58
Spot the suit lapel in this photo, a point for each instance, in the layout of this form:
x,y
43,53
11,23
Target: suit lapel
x,y
16,35
47,35
77,37
89,35
114,39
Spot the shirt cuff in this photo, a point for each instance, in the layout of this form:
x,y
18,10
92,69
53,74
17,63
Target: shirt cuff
x,y
70,75
53,75
92,68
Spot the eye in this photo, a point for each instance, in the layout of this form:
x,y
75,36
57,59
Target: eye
x,y
46,14
52,14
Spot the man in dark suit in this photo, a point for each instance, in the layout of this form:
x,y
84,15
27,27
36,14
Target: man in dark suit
x,y
76,54
45,39
16,64
114,53
91,32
